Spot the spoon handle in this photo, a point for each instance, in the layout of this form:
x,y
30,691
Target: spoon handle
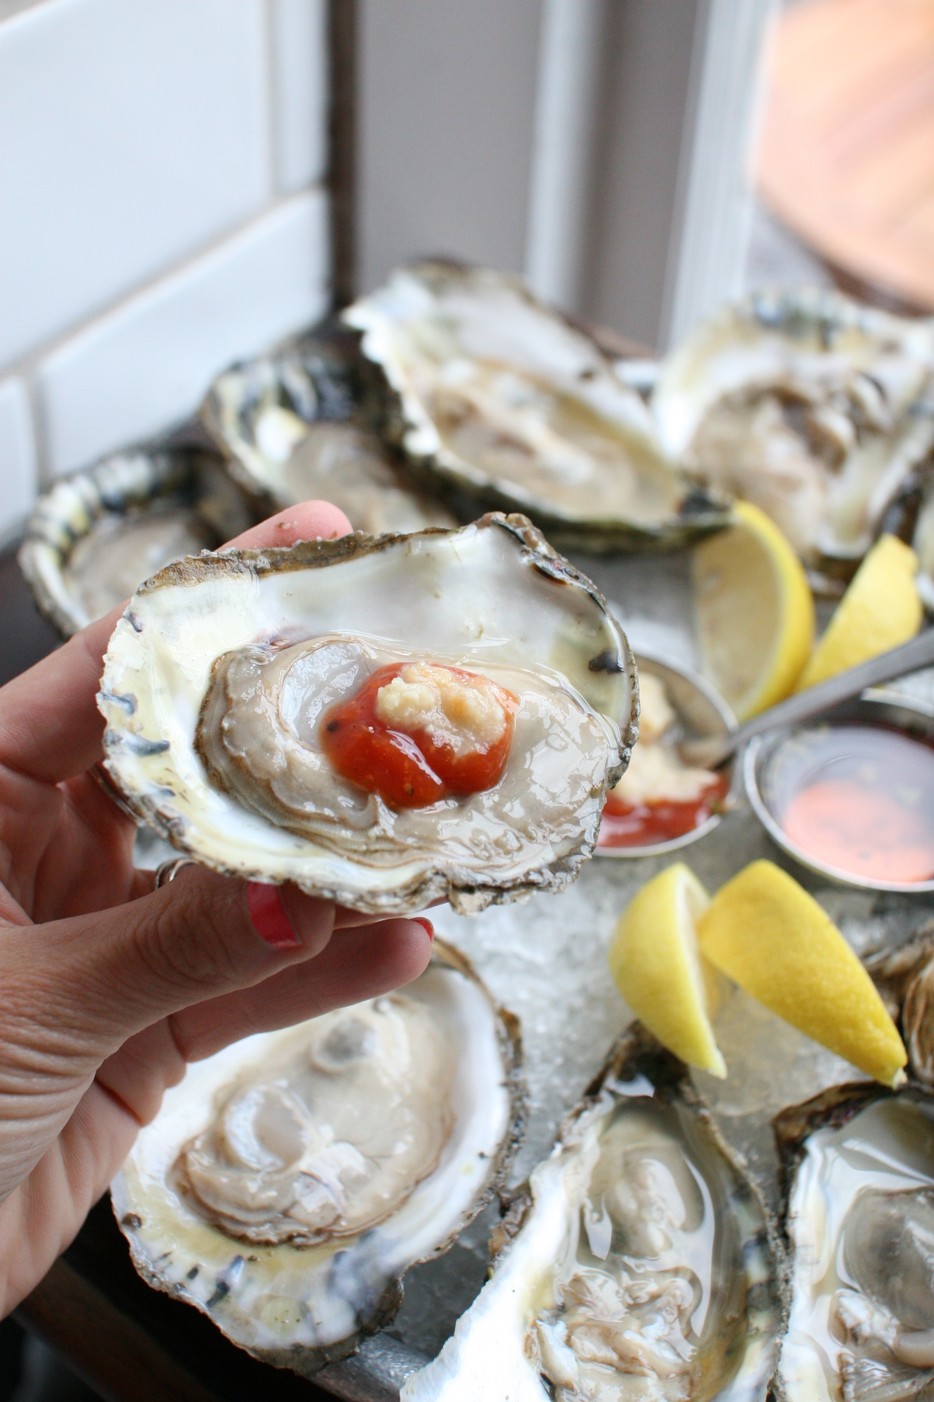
x,y
713,750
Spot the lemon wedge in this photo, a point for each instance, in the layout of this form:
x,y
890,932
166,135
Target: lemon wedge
x,y
659,971
754,611
768,935
880,609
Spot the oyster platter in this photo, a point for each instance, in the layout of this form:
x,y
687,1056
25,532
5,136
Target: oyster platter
x,y
496,1185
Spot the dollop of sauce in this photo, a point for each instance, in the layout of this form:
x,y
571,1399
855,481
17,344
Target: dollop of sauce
x,y
260,736
658,797
415,733
859,798
330,1135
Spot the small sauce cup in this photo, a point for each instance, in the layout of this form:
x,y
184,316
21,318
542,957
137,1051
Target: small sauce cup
x,y
851,796
699,712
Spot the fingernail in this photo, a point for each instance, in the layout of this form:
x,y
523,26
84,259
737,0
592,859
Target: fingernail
x,y
426,926
269,915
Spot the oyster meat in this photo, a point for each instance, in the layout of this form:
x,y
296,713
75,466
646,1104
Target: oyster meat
x,y
289,1181
860,1225
505,402
296,424
638,1266
808,404
94,536
236,693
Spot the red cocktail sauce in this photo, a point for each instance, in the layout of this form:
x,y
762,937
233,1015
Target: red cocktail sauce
x,y
644,824
408,769
859,798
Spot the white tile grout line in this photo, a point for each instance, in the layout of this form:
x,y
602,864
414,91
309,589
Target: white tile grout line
x,y
28,366
273,138
27,363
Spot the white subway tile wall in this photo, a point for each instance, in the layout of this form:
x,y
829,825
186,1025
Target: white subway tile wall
x,y
17,450
163,212
300,92
144,365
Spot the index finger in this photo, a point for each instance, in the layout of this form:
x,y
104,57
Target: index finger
x,y
50,727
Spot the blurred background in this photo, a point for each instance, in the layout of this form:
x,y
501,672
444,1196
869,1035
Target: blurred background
x,y
184,183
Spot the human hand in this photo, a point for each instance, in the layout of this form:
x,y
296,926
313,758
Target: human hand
x,y
110,986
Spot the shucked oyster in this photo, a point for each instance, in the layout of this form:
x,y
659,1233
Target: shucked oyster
x,y
808,404
289,1181
638,1267
295,425
860,1223
383,720
94,536
503,400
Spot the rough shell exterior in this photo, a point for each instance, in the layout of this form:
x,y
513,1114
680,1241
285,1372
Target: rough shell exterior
x,y
496,584
85,513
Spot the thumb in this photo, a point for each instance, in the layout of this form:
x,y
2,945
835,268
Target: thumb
x,y
100,978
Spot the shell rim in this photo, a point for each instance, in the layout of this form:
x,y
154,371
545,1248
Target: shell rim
x,y
508,1035
404,894
594,532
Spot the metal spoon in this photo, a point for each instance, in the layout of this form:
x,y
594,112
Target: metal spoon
x,y
710,751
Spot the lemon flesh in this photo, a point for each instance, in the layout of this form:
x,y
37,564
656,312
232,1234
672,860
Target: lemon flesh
x,y
754,611
768,935
880,609
659,970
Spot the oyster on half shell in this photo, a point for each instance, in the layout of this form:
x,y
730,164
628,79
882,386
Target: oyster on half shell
x,y
94,536
639,1265
860,1226
812,406
220,679
289,1181
295,424
504,402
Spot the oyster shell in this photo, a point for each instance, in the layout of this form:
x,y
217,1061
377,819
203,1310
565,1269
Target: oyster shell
x,y
860,1224
922,542
510,405
95,535
289,1181
639,1263
911,515
905,979
227,663
295,425
806,403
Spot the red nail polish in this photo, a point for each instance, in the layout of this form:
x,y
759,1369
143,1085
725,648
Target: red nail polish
x,y
269,915
426,925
